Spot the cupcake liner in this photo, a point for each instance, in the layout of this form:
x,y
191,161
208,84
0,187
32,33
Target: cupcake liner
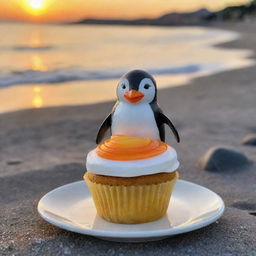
x,y
131,204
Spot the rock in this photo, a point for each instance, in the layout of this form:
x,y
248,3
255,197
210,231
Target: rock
x,y
220,159
14,162
249,139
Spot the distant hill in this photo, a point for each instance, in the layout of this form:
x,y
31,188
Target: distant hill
x,y
198,17
235,13
191,18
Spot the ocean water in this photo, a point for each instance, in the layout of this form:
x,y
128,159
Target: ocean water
x,y
53,65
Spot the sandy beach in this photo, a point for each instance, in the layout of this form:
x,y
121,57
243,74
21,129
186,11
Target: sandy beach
x,y
42,149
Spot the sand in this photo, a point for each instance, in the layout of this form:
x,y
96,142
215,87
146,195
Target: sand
x,y
42,149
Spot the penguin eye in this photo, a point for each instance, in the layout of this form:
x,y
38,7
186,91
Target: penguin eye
x,y
123,86
146,86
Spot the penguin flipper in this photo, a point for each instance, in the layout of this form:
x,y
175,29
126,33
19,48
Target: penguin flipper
x,y
166,120
161,132
106,124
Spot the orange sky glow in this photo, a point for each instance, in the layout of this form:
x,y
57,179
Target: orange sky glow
x,y
68,10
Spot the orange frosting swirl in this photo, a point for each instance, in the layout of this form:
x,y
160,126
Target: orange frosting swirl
x,y
125,148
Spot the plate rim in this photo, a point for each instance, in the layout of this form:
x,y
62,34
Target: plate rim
x,y
133,234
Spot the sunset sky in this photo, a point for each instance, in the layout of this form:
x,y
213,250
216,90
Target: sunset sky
x,y
66,10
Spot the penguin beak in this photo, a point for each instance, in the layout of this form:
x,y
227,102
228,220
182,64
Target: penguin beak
x,y
133,96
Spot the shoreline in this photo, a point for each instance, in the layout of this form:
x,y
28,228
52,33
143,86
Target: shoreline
x,y
84,92
45,148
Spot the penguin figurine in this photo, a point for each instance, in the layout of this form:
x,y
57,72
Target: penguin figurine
x,y
136,112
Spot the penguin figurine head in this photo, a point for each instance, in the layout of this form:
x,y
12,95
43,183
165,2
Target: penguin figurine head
x,y
137,87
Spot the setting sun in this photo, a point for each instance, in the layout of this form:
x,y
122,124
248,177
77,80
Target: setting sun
x,y
36,4
35,7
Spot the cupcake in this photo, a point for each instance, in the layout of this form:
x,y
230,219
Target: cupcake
x,y
131,178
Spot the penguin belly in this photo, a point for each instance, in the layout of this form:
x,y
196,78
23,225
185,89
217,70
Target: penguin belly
x,y
135,120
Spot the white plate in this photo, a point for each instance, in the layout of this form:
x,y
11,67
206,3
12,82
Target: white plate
x,y
71,207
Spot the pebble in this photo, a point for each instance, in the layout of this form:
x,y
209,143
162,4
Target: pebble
x,y
219,159
249,139
14,162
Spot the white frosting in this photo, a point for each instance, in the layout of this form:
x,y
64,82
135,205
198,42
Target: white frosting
x,y
166,162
